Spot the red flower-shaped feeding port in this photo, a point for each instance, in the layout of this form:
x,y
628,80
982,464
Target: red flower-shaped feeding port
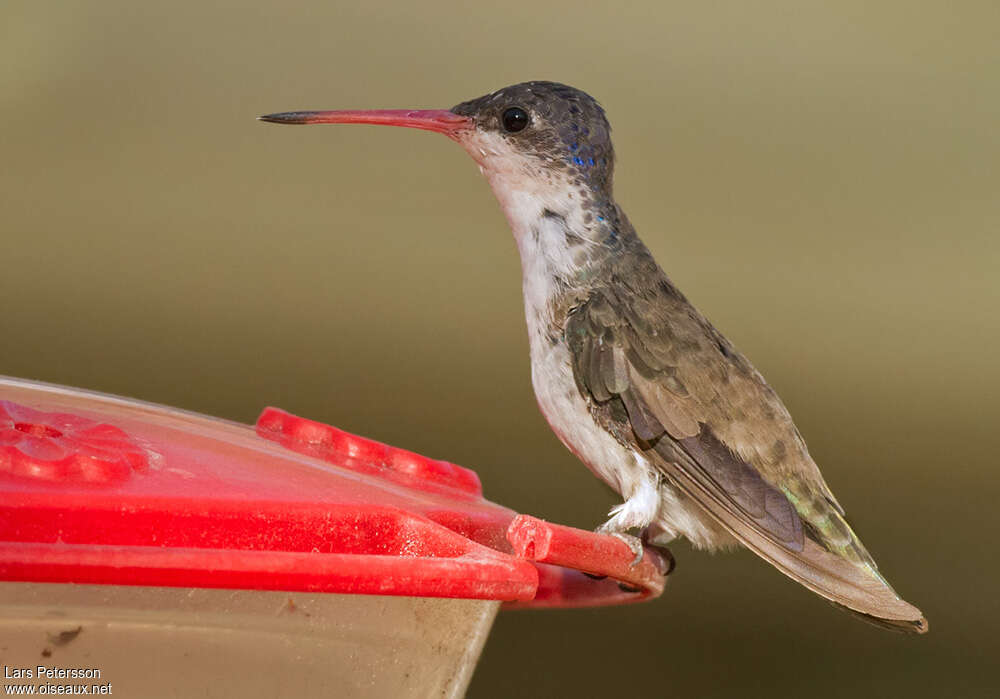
x,y
61,447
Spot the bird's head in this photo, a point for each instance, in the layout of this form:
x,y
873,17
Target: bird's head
x,y
534,127
532,134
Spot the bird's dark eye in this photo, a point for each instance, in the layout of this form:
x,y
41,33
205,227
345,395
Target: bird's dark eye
x,y
514,119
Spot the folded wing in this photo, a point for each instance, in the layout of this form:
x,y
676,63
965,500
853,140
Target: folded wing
x,y
710,423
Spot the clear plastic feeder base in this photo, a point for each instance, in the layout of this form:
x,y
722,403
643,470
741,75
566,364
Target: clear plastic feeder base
x,y
158,642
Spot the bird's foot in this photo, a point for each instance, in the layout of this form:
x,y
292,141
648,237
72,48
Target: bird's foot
x,y
662,556
638,510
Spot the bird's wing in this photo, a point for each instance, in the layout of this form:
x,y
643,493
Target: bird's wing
x,y
661,378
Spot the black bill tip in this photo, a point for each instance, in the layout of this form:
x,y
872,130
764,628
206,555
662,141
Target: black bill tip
x,y
286,118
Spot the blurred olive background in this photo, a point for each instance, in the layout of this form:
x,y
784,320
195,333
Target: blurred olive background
x,y
820,178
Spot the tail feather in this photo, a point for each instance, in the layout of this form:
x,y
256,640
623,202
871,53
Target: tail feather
x,y
831,561
826,524
860,589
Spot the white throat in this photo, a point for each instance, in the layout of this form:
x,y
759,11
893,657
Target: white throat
x,y
543,208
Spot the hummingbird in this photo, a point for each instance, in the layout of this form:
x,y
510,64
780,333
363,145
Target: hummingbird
x,y
632,379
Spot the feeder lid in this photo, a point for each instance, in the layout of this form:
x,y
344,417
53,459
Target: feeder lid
x,y
105,490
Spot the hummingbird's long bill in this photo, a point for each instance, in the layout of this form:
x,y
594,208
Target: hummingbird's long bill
x,y
437,120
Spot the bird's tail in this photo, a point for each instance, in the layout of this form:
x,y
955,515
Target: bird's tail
x,y
838,566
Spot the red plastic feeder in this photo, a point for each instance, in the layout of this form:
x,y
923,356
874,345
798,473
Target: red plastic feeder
x,y
179,554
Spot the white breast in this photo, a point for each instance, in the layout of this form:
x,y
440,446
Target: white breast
x,y
569,417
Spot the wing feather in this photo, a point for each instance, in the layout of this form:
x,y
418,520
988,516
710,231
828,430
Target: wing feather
x,y
711,424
